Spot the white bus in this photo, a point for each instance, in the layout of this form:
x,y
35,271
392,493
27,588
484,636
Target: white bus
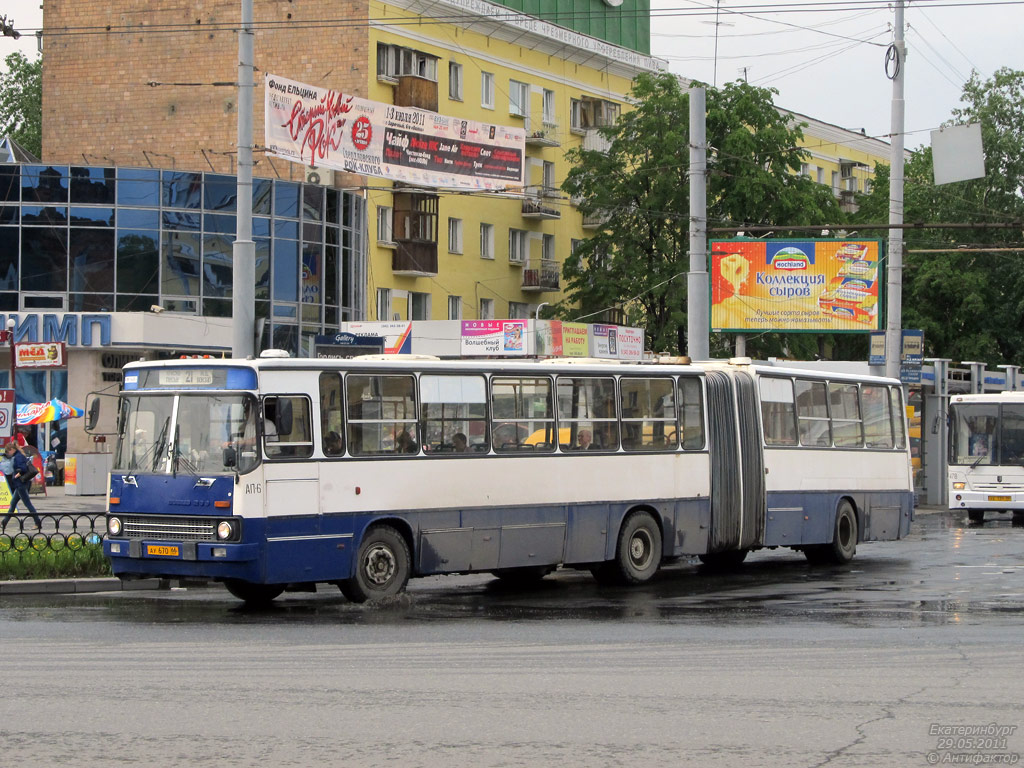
x,y
986,454
283,473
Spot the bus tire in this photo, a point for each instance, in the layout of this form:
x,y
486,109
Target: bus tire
x,y
383,566
976,515
637,555
724,561
844,539
254,595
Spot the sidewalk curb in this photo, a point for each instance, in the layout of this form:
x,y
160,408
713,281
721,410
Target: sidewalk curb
x,y
78,586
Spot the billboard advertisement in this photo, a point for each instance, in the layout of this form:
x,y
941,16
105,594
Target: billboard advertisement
x,y
554,338
821,286
322,128
494,337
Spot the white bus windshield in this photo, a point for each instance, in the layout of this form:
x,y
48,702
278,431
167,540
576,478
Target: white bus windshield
x,y
989,434
189,433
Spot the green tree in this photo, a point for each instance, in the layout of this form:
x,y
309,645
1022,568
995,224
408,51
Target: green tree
x,y
21,102
638,187
968,302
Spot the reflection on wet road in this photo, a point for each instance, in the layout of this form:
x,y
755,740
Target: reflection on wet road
x,y
777,663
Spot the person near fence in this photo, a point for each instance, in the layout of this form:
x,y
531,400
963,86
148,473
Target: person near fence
x,y
19,480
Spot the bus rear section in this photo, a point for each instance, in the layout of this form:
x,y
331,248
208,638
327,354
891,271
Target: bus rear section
x,y
986,454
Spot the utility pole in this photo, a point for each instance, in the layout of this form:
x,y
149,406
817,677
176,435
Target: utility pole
x,y
698,323
894,300
243,251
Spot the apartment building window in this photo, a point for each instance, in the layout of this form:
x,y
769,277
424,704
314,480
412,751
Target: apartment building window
x,y
805,169
548,115
548,248
518,240
574,244
518,311
385,224
486,241
394,61
549,189
454,307
383,304
419,306
586,113
851,184
486,309
835,183
518,98
454,81
821,175
454,235
487,90
867,186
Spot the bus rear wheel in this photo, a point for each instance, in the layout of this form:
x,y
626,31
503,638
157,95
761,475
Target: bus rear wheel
x,y
976,515
383,566
844,539
253,594
637,555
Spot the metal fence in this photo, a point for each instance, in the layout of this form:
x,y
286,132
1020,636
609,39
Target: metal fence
x,y
67,544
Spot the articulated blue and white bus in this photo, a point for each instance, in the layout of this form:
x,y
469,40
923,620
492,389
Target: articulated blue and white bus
x,y
277,473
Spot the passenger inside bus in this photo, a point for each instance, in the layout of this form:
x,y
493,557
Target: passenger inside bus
x,y
586,440
460,443
405,444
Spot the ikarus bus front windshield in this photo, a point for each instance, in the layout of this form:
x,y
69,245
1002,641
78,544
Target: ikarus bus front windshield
x,y
192,433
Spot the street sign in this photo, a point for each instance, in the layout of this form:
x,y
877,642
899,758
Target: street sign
x,y
7,417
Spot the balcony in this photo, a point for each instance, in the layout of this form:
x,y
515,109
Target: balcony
x,y
594,220
414,259
546,137
541,275
414,91
533,208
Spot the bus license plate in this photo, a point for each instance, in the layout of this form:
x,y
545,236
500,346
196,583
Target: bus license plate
x,y
161,551
999,498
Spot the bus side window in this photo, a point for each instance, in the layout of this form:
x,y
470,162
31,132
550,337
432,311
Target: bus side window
x,y
331,404
288,430
778,411
691,410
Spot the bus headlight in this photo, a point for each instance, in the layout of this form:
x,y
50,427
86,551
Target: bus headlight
x,y
225,530
114,526
959,486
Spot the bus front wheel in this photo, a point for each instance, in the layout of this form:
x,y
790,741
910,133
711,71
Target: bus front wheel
x,y
976,515
382,566
844,539
253,594
638,554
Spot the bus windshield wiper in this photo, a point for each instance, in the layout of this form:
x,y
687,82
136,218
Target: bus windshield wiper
x,y
175,451
161,441
977,461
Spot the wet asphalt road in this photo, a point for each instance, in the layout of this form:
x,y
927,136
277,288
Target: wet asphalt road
x,y
778,664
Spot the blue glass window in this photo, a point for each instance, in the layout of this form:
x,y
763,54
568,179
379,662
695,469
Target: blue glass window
x,y
92,217
131,218
48,215
182,190
262,190
219,223
181,221
8,258
286,201
312,202
10,183
288,229
44,254
221,193
92,185
138,186
180,270
260,227
138,263
262,269
91,260
91,302
286,270
217,266
44,184
10,214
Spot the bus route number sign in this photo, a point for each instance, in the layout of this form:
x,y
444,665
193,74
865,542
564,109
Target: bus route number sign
x,y
185,377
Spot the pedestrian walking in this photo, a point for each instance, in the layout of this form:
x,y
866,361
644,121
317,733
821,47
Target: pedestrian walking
x,y
18,480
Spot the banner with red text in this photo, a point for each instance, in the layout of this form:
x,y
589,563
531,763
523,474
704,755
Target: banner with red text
x,y
322,128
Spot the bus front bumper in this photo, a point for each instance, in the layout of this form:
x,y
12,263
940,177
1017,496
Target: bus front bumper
x,y
206,559
1012,500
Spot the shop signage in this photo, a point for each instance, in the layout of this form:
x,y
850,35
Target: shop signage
x,y
41,355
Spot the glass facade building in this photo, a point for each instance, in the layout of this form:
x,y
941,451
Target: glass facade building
x,y
96,239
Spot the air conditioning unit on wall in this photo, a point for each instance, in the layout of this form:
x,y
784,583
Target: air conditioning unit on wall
x,y
322,176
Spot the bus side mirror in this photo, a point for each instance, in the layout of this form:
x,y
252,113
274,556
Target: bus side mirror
x,y
92,415
230,457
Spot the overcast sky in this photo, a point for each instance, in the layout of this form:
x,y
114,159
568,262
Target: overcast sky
x,y
807,50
